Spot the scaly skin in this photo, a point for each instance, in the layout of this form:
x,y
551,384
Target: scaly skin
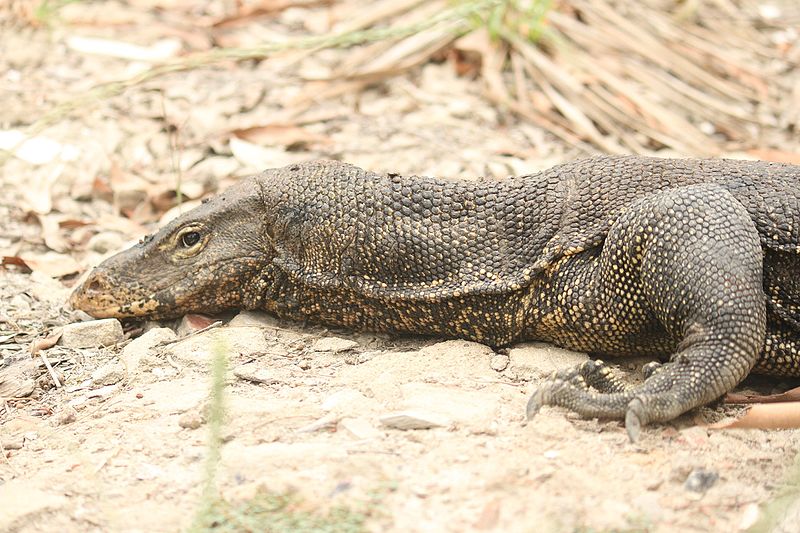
x,y
696,261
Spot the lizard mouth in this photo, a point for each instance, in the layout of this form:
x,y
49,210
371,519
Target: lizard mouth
x,y
99,296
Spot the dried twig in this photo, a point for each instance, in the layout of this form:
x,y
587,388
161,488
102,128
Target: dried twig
x,y
50,369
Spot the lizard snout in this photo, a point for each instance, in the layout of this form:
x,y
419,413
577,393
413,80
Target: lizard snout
x,y
94,295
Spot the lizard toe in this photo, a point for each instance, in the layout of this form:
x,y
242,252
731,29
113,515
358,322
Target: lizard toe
x,y
534,404
651,368
635,418
550,393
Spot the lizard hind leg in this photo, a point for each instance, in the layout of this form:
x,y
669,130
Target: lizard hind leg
x,y
692,258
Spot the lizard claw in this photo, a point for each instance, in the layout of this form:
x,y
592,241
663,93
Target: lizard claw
x,y
534,404
634,419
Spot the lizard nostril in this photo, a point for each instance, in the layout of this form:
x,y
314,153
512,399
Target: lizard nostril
x,y
95,286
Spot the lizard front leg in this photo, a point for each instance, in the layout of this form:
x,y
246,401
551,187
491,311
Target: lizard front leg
x,y
691,258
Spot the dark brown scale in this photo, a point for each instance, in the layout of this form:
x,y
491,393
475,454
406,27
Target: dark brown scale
x,y
694,261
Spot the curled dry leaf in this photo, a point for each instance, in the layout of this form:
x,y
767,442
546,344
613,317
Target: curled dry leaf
x,y
766,416
16,261
44,343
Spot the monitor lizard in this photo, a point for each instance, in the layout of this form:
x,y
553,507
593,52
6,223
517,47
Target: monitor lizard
x,y
694,261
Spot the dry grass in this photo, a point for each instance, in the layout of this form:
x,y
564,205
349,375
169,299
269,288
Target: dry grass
x,y
694,77
624,76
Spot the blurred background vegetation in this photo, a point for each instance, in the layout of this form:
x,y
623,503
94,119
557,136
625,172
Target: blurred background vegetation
x,y
695,77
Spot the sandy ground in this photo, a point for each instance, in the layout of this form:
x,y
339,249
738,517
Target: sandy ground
x,y
121,444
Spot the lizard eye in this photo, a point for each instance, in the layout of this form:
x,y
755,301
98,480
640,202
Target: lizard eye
x,y
190,238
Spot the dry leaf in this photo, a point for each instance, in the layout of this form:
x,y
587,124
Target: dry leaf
x,y
470,51
779,156
162,197
161,50
53,264
51,232
38,194
792,395
16,261
251,10
43,343
196,321
766,416
36,150
16,381
130,192
101,186
467,64
177,211
121,225
279,135
259,157
100,14
143,213
72,223
489,516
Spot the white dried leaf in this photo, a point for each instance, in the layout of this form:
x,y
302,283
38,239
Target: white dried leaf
x,y
36,150
159,51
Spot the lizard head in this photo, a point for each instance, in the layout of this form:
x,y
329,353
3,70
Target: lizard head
x,y
206,260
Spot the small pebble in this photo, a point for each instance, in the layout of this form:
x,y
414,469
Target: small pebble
x,y
499,362
92,334
68,415
15,442
344,400
700,480
406,420
359,428
191,420
326,423
333,344
357,358
255,373
108,374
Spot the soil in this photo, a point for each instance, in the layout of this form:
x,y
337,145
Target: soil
x,y
121,444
